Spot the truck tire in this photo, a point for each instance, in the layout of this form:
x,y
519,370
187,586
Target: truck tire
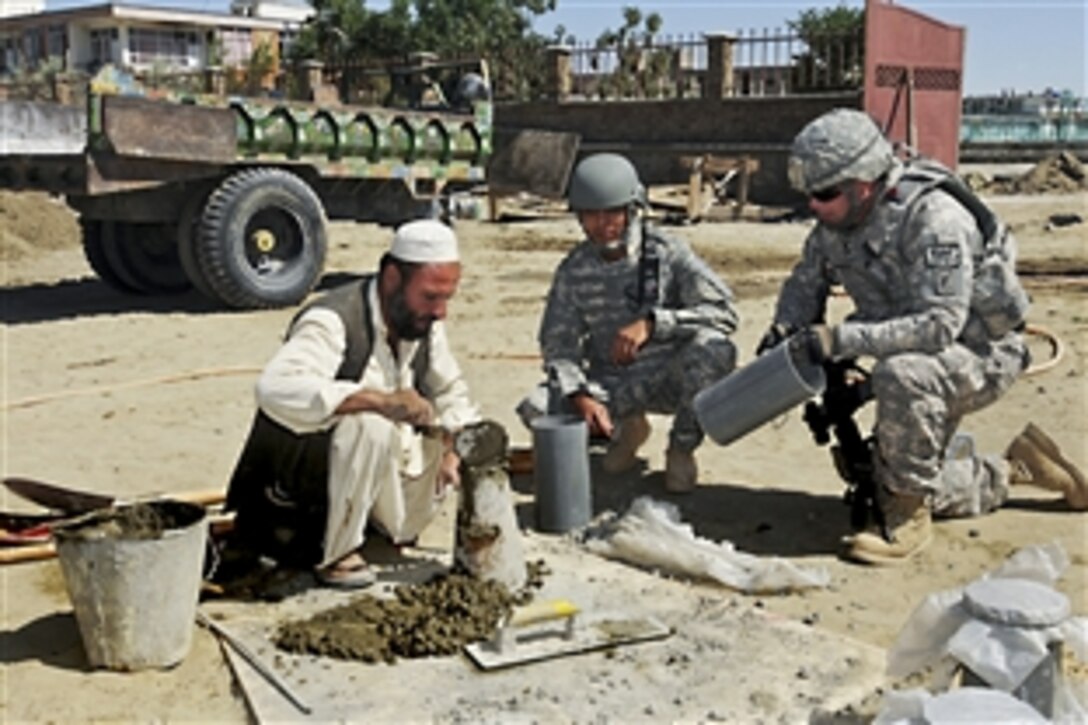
x,y
145,257
187,230
94,250
261,240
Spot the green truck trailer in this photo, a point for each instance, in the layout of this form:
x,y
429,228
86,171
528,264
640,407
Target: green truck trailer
x,y
231,196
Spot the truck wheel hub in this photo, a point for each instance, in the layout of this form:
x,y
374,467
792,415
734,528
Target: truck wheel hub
x,y
263,240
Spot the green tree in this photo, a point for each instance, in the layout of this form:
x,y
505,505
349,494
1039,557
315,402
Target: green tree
x,y
498,30
260,67
345,32
330,34
835,58
641,68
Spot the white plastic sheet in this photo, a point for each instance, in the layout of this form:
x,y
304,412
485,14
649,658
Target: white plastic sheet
x,y
1002,656
651,534
965,705
942,630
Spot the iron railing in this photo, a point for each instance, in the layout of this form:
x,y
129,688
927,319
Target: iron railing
x,y
756,63
764,63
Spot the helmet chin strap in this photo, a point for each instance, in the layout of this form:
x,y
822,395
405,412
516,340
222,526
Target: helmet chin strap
x,y
612,250
618,247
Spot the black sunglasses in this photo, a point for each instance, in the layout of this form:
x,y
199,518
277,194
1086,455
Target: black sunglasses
x,y
828,194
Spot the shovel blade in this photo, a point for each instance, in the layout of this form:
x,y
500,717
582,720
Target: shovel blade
x,y
57,498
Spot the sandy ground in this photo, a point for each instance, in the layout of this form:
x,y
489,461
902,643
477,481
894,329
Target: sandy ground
x,y
133,396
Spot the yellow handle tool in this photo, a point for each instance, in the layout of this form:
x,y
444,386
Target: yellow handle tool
x,y
544,611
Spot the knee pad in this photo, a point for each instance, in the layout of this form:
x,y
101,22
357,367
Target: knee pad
x,y
711,351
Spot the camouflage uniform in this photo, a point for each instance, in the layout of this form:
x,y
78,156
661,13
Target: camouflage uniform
x,y
910,277
591,299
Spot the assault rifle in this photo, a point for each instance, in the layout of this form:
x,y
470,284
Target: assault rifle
x,y
848,388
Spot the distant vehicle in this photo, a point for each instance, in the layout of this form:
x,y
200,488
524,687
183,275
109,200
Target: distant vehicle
x,y
231,195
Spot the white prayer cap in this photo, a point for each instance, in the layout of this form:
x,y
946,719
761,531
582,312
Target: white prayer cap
x,y
425,241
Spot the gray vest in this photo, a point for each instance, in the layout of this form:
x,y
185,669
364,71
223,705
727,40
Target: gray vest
x,y
279,488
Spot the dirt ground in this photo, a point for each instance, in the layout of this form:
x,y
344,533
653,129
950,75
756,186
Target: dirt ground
x,y
136,395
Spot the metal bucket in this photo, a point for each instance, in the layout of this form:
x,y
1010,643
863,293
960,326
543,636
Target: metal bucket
x,y
561,473
770,385
133,575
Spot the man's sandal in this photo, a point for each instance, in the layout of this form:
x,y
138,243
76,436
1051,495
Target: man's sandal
x,y
359,576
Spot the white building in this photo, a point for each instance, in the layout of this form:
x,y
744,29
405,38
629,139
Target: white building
x,y
140,38
20,7
287,10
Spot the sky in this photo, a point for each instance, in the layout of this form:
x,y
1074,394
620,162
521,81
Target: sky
x,y
1028,45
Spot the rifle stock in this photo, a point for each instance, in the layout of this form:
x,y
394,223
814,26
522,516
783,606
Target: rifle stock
x,y
848,389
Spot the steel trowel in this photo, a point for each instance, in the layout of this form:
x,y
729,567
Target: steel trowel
x,y
556,628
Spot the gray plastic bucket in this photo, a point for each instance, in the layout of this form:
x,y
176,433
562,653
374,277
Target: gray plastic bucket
x,y
561,473
133,575
760,391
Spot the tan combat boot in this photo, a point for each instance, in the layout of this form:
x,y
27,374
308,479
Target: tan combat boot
x,y
622,453
1035,459
681,471
909,524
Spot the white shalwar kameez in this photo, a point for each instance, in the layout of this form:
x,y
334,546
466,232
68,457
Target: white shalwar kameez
x,y
379,471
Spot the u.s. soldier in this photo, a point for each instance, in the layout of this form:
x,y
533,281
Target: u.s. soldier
x,y
635,322
939,314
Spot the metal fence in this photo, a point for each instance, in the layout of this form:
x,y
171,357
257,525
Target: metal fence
x,y
767,62
749,63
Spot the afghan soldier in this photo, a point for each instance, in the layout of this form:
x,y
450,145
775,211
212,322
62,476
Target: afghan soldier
x,y
635,322
940,315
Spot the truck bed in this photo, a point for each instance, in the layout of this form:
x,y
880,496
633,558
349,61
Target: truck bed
x,y
122,143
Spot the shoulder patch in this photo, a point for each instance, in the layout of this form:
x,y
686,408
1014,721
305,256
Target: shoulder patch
x,y
944,256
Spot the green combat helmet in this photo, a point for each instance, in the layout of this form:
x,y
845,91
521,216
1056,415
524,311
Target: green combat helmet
x,y
605,181
839,145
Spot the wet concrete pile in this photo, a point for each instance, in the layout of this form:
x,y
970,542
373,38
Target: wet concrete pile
x,y
425,620
133,522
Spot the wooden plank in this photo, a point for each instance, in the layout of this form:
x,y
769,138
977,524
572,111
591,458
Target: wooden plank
x,y
695,188
22,554
707,165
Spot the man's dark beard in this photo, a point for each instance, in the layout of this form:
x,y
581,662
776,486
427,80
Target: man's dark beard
x,y
404,323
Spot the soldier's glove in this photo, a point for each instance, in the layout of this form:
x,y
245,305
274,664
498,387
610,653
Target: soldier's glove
x,y
777,333
819,342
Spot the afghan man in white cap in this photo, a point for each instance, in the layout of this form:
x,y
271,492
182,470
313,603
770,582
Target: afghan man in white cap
x,y
354,420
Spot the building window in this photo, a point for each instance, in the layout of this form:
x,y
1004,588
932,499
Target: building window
x,y
148,46
9,53
32,46
56,44
288,39
102,46
237,46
